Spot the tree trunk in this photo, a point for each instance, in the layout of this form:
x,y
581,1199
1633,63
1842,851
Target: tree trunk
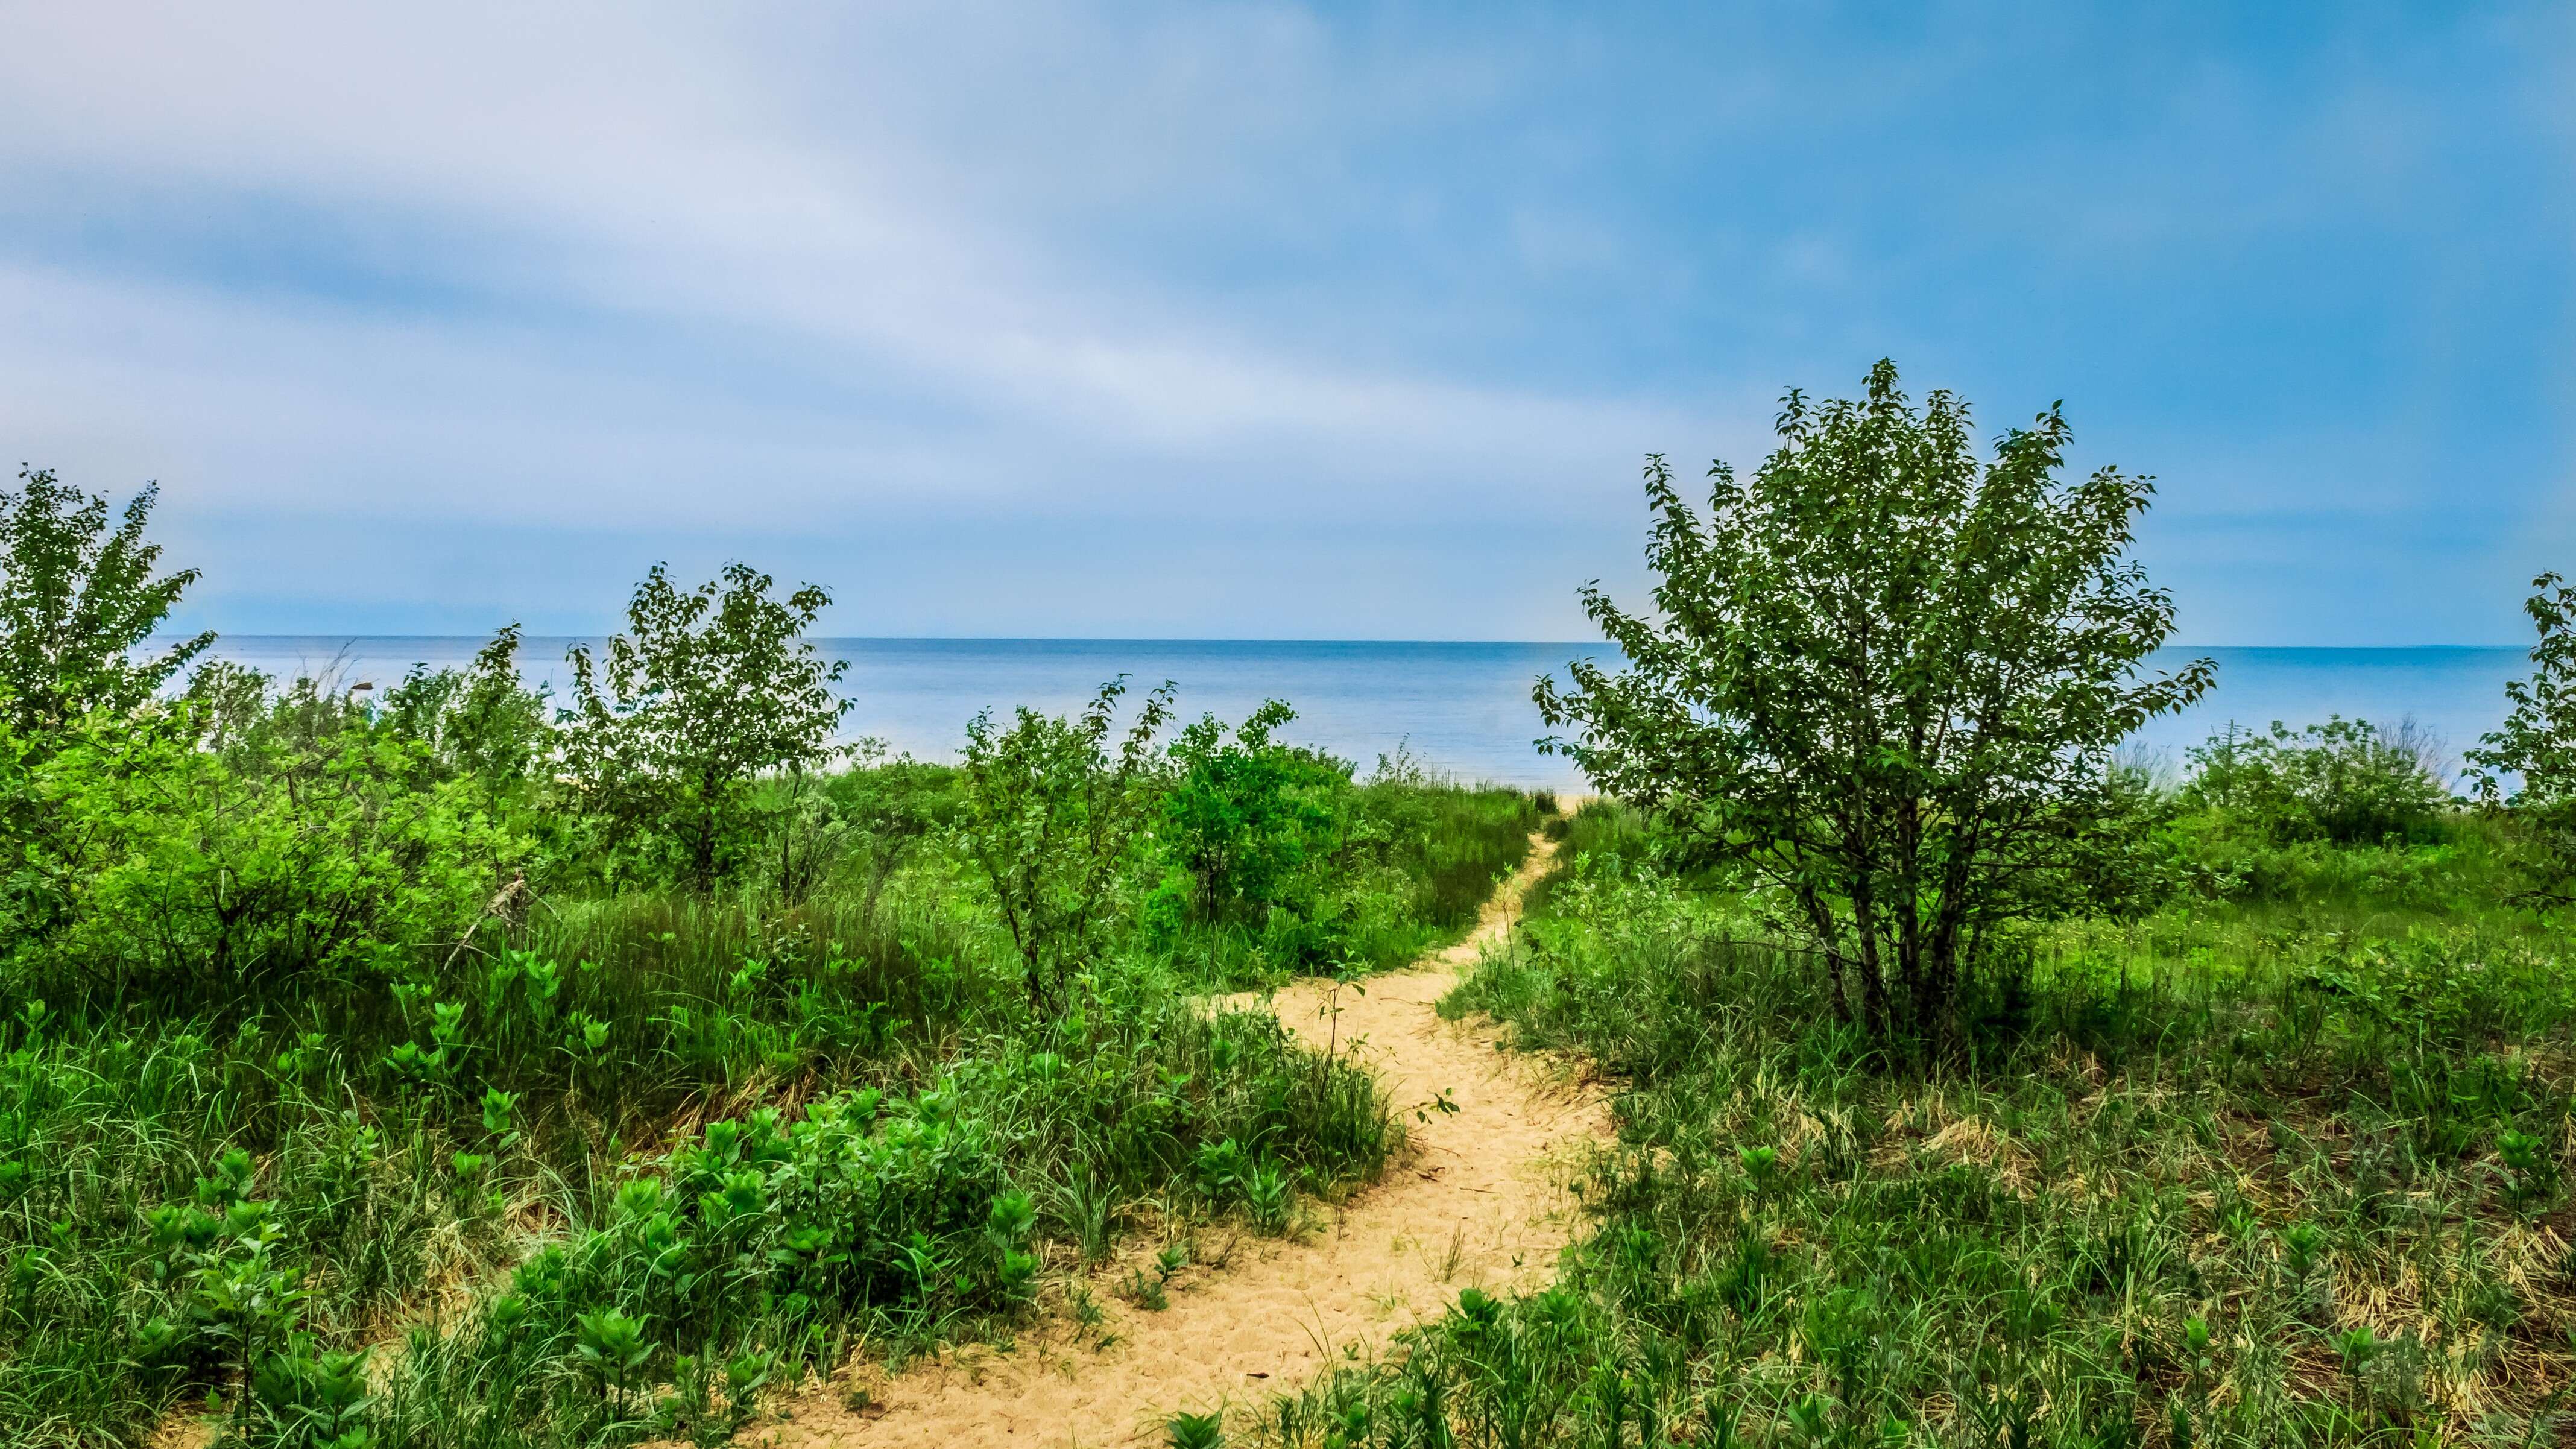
x,y
1821,918
1876,1009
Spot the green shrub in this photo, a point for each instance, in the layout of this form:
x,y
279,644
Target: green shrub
x,y
2341,781
1052,818
479,722
159,864
1253,823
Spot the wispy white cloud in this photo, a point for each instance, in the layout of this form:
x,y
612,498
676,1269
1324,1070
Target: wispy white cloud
x,y
1291,303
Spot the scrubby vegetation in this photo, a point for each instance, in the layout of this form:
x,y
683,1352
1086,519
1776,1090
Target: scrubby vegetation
x,y
2244,1119
2243,1170
445,1068
448,1069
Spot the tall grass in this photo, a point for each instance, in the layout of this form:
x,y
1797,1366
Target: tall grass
x,y
1455,843
752,1135
2223,1176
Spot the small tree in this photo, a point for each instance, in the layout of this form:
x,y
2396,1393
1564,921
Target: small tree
x,y
1886,677
2537,744
76,599
710,689
1052,818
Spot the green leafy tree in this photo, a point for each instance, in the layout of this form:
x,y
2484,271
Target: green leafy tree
x,y
1053,817
2528,765
709,690
77,598
1888,678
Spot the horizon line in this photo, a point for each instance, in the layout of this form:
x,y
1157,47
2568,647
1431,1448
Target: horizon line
x,y
1208,639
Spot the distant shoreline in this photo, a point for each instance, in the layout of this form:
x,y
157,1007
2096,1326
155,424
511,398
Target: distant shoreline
x,y
1186,642
1463,705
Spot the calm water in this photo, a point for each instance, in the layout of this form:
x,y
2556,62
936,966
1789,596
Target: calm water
x,y
2458,693
1464,707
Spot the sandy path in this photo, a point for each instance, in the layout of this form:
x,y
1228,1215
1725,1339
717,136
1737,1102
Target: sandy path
x,y
1480,1201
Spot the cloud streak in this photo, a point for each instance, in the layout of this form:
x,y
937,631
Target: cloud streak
x,y
1251,319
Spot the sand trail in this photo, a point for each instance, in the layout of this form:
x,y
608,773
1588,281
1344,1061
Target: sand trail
x,y
1479,1200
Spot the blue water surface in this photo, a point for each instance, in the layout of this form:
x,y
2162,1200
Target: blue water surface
x,y
1463,707
2455,693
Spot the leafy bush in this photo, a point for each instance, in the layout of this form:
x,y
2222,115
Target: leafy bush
x,y
480,722
2340,781
1250,821
1052,819
848,1207
158,863
1383,869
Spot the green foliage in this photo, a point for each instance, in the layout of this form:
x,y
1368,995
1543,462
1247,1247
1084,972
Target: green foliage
x,y
1052,818
1249,819
314,1398
1888,678
1603,833
2341,781
709,690
612,1344
865,821
479,722
77,599
1271,851
2537,741
2338,812
1384,870
2529,763
316,840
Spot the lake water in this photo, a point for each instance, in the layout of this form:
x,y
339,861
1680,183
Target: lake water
x,y
1464,707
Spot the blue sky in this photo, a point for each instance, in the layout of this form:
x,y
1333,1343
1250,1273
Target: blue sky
x,y
1219,320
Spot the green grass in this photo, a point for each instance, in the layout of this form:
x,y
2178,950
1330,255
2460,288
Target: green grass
x,y
1420,858
2249,1172
768,1136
